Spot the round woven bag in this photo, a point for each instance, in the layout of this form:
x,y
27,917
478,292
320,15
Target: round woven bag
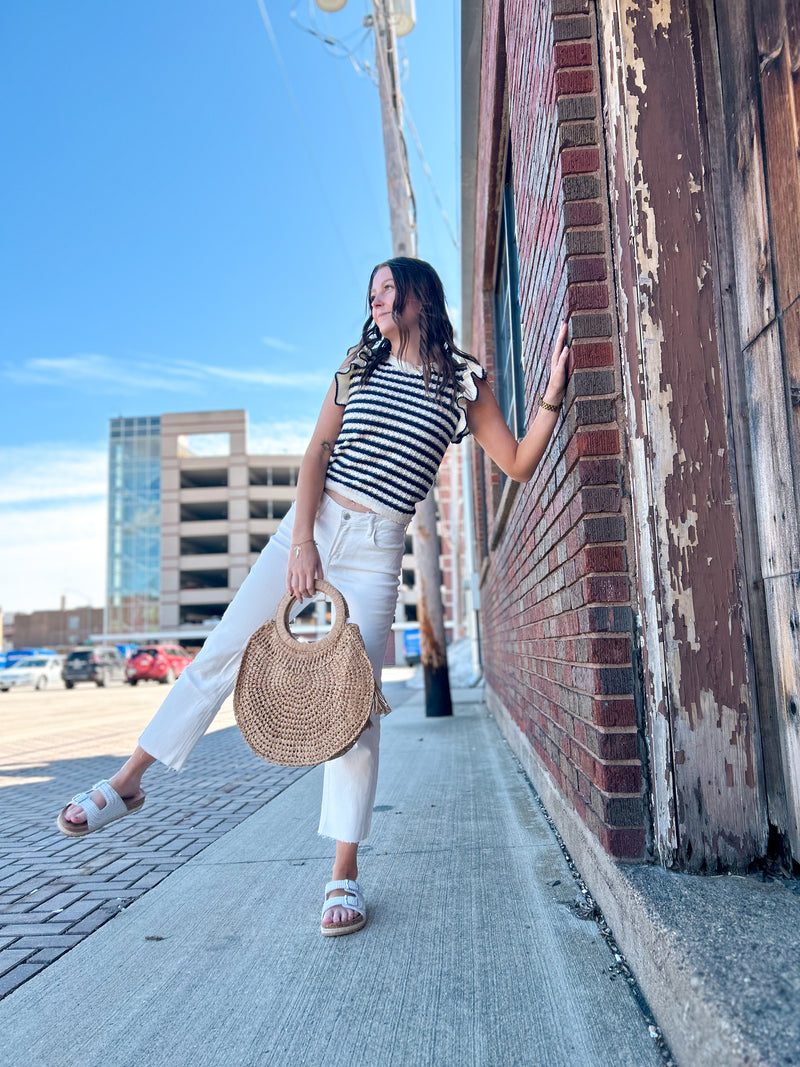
x,y
299,704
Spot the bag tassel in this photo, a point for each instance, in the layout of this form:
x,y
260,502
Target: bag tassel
x,y
379,704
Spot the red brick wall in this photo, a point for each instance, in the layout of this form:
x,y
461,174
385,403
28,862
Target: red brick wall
x,y
449,498
556,595
51,629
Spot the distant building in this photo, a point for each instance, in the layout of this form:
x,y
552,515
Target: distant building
x,y
61,629
189,513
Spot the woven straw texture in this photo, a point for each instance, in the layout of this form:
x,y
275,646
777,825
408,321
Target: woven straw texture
x,y
299,704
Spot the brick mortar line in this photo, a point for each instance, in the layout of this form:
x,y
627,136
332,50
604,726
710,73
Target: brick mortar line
x,y
576,692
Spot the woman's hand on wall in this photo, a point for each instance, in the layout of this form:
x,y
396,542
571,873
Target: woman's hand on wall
x,y
559,369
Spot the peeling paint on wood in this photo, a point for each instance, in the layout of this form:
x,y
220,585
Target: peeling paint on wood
x,y
640,452
759,77
709,804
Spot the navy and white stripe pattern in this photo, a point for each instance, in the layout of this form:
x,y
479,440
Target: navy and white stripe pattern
x,y
394,434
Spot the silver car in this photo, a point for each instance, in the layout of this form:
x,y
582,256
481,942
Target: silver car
x,y
36,671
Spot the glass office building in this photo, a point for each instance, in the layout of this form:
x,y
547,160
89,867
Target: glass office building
x,y
134,525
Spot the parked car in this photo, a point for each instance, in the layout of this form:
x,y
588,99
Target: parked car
x,y
100,664
10,658
38,671
158,663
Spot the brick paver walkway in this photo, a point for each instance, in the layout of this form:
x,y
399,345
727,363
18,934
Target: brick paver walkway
x,y
55,891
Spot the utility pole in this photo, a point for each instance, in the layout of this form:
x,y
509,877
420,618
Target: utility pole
x,y
430,609
387,17
401,215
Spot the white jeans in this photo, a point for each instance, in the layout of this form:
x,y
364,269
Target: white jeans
x,y
361,555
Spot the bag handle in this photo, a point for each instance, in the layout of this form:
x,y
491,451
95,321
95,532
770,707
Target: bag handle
x,y
341,610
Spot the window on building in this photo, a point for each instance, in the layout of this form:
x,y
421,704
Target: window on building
x,y
204,511
260,509
204,579
211,544
201,614
509,378
205,478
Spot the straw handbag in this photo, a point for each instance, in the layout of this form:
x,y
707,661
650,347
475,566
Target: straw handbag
x,y
299,704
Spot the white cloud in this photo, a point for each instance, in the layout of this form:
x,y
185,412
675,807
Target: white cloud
x,y
125,376
116,376
275,342
292,379
50,552
50,472
279,438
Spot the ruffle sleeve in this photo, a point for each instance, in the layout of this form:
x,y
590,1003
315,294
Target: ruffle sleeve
x,y
350,373
468,373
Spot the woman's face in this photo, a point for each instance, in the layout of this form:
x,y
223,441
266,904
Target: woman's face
x,y
381,299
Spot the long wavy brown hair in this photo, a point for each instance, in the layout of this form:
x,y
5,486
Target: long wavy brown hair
x,y
436,345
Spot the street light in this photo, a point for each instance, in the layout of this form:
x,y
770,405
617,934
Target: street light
x,y
403,12
405,16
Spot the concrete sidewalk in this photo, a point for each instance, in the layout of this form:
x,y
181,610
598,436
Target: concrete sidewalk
x,y
476,951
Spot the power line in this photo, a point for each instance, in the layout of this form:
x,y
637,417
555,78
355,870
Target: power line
x,y
429,175
332,213
337,47
340,50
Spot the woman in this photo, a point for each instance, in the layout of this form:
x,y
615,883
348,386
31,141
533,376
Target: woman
x,y
403,394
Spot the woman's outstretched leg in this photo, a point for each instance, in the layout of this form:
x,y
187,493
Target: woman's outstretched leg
x,y
197,695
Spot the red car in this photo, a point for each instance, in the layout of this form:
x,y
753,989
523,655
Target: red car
x,y
158,663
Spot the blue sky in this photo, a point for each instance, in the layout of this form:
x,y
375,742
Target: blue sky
x,y
189,223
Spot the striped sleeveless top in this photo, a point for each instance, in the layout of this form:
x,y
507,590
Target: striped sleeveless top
x,y
394,434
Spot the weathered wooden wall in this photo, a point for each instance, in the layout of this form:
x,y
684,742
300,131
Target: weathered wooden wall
x,y
759,57
708,784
